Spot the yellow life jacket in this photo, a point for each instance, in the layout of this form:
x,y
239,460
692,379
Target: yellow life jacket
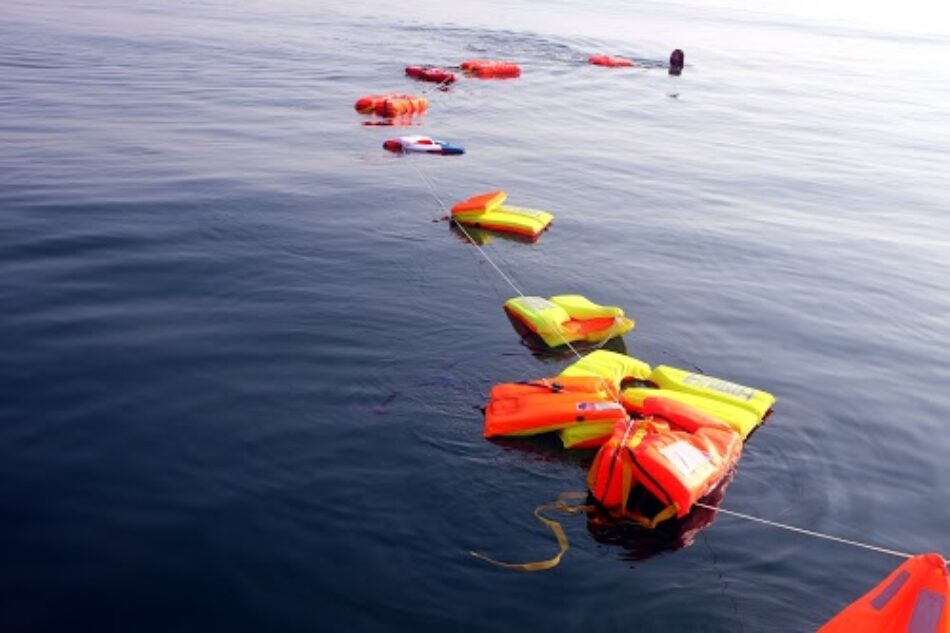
x,y
565,319
754,400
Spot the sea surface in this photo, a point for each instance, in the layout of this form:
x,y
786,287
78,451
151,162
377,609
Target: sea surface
x,y
242,359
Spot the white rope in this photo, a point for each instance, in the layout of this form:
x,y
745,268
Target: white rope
x,y
468,235
792,528
439,86
495,266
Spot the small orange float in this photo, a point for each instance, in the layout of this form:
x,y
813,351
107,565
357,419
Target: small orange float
x,y
392,105
610,61
430,73
491,69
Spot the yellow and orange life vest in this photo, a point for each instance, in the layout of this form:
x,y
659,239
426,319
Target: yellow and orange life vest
x,y
488,211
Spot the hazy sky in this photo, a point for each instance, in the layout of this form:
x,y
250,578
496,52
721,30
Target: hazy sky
x,y
919,16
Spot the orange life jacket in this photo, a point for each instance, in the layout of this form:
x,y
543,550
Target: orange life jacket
x,y
550,404
610,61
491,69
678,454
392,105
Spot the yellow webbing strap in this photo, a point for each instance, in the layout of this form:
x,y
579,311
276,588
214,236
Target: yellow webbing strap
x,y
666,513
562,505
663,515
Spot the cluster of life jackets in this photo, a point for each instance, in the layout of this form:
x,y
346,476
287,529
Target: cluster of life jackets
x,y
671,434
668,438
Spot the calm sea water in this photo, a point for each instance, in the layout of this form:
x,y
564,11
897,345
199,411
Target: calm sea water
x,y
241,362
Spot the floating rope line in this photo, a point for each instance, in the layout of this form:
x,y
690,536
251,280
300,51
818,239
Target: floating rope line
x,y
441,86
821,535
485,255
468,235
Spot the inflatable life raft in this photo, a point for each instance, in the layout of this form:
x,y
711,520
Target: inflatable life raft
x,y
392,105
486,211
429,73
551,404
610,61
914,598
565,319
742,408
490,69
676,453
422,144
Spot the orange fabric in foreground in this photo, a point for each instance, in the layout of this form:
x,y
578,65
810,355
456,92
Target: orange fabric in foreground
x,y
912,599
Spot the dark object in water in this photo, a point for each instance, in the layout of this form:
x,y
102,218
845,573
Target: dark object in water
x,y
677,61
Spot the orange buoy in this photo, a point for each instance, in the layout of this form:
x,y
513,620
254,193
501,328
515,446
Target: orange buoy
x,y
392,105
913,598
610,61
677,454
491,69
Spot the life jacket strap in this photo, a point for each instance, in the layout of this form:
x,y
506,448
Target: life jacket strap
x,y
561,505
650,523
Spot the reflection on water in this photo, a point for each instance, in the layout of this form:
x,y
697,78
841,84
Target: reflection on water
x,y
640,543
484,237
